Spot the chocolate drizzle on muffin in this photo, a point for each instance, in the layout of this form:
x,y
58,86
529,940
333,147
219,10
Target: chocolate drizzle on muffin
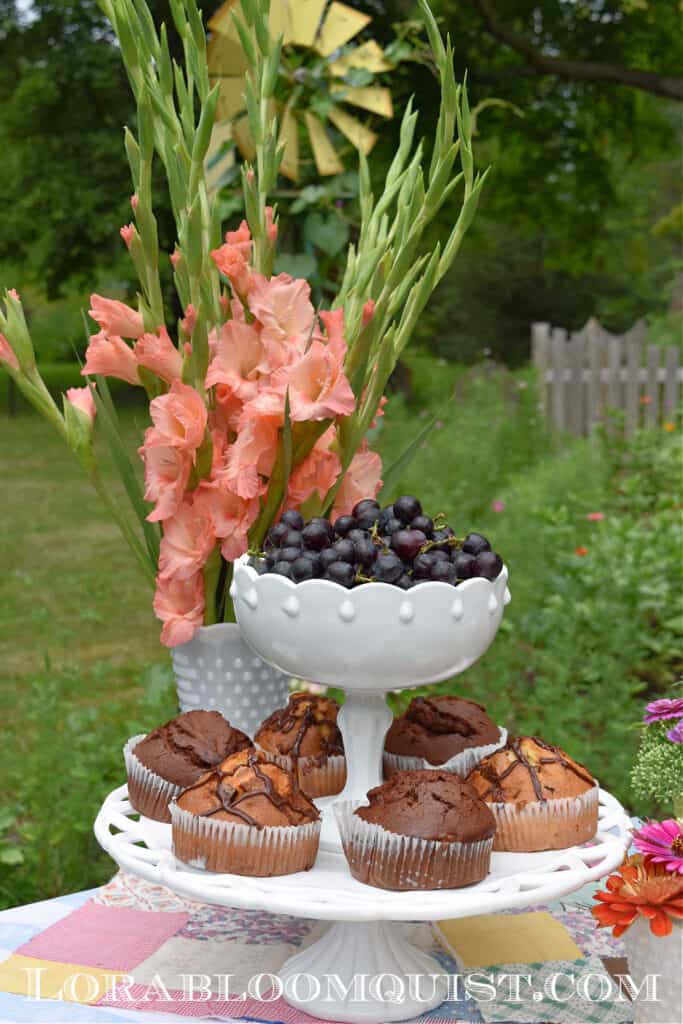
x,y
249,789
307,727
541,772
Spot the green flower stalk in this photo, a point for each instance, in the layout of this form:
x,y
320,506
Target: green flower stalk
x,y
259,402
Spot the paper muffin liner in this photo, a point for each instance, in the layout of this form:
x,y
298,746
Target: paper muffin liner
x,y
241,849
546,824
316,777
149,793
462,763
390,861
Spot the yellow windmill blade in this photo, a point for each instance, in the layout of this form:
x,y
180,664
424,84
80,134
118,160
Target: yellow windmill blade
x,y
324,29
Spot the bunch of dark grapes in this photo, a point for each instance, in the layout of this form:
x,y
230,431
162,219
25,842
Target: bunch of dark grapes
x,y
397,544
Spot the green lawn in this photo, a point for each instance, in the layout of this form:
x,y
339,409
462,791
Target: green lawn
x,y
585,640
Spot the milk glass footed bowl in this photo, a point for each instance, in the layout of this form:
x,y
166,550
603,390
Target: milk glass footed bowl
x,y
368,640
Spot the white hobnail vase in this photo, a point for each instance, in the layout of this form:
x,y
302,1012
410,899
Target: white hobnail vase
x,y
660,958
218,671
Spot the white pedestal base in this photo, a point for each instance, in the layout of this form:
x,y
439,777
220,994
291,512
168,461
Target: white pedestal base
x,y
364,973
363,722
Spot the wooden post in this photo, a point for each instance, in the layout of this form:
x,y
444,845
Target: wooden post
x,y
559,344
652,387
575,401
540,352
671,384
596,361
632,387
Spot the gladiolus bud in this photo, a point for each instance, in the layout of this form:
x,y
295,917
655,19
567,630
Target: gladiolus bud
x,y
79,416
134,201
128,234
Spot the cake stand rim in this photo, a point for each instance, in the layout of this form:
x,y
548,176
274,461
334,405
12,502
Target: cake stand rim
x,y
573,868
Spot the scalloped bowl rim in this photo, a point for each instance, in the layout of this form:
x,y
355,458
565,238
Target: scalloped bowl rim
x,y
448,589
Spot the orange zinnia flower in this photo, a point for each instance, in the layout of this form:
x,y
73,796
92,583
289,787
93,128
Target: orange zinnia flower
x,y
581,551
640,888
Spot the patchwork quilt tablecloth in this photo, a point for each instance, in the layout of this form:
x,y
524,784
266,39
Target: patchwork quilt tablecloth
x,y
132,951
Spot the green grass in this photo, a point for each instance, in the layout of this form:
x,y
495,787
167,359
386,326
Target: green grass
x,y
584,642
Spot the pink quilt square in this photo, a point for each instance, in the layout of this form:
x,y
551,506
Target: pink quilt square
x,y
113,938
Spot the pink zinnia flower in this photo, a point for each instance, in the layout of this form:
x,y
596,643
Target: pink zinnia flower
x,y
82,399
179,604
675,735
318,387
7,353
283,308
156,352
317,473
595,517
238,360
498,506
114,317
110,356
188,541
662,842
180,417
659,710
167,472
231,516
362,480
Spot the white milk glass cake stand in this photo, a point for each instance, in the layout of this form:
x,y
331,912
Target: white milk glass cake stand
x,y
368,641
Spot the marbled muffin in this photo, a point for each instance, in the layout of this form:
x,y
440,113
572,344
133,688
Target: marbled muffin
x,y
305,737
444,731
420,830
174,756
246,816
541,798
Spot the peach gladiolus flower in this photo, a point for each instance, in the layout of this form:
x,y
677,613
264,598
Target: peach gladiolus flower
x,y
7,353
368,311
167,472
156,352
271,226
232,259
127,233
231,516
82,399
116,317
110,356
180,417
253,454
179,604
187,542
640,888
318,387
283,308
316,474
362,480
237,360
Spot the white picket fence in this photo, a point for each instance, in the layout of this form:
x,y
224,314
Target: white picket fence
x,y
585,374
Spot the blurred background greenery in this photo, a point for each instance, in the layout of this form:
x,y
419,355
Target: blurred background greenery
x,y
581,217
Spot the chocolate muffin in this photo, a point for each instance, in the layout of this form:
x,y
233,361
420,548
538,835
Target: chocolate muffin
x,y
420,830
304,737
246,816
174,756
540,797
446,731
